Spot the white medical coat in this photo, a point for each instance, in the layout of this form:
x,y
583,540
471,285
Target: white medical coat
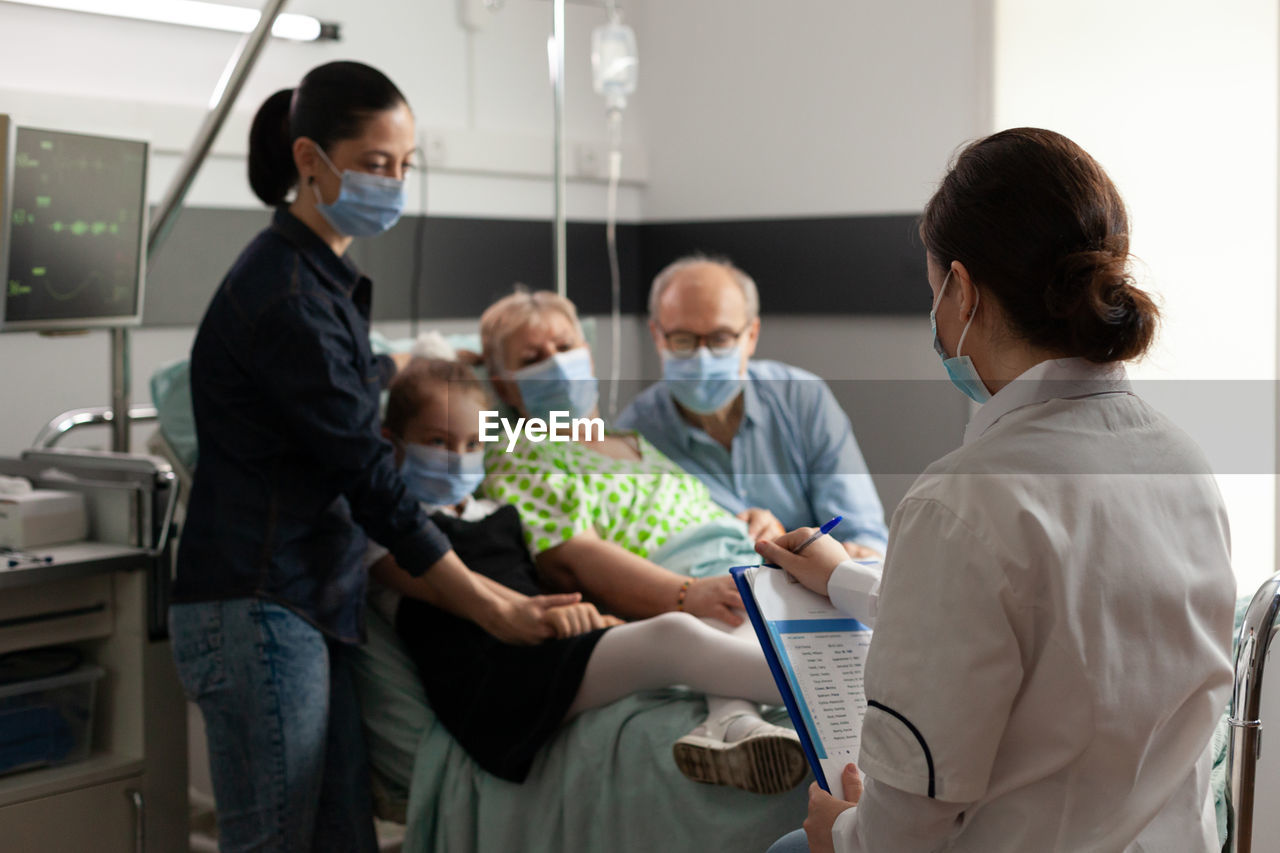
x,y
1052,633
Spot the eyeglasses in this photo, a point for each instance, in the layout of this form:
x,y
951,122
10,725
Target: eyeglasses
x,y
685,344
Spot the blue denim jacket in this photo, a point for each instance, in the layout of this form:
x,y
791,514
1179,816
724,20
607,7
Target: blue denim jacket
x,y
285,390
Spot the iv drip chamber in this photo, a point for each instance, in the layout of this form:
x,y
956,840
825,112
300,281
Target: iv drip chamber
x,y
614,63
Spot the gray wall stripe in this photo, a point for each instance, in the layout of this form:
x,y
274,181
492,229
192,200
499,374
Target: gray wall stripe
x,y
819,265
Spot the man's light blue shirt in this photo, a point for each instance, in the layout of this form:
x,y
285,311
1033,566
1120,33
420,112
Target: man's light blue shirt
x,y
794,453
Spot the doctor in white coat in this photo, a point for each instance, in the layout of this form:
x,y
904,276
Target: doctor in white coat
x,y
1053,628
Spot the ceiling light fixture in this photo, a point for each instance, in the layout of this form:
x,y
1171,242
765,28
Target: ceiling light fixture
x,y
194,13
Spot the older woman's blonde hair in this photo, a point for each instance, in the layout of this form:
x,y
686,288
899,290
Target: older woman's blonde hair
x,y
514,312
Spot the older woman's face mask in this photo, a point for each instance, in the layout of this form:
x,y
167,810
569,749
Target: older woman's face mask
x,y
564,382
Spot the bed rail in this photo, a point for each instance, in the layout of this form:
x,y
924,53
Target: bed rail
x,y
72,419
1256,635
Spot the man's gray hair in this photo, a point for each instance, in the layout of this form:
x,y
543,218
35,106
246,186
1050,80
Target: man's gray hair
x,y
660,282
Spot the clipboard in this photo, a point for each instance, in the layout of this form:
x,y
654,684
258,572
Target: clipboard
x,y
775,666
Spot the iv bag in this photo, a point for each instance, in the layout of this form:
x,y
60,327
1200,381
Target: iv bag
x,y
614,64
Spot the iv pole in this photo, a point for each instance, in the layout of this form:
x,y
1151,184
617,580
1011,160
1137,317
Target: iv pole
x,y
237,70
557,82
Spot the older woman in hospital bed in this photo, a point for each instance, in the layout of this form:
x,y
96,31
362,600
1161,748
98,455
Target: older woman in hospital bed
x,y
609,515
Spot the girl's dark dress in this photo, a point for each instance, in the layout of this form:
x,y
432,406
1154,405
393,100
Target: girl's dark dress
x,y
501,702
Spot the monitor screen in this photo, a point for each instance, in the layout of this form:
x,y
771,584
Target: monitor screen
x,y
74,229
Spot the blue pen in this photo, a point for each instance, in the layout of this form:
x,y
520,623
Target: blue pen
x,y
822,531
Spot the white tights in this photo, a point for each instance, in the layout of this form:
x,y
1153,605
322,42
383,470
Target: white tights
x,y
677,648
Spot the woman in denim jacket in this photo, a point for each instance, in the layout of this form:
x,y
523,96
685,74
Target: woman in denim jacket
x,y
293,473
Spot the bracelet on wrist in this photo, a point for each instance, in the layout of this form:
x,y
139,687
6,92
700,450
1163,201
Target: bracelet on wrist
x,y
684,590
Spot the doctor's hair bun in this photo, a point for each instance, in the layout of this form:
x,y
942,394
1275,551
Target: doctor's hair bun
x,y
1041,228
332,103
1096,310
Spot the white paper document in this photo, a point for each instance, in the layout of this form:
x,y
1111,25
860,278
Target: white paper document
x,y
822,652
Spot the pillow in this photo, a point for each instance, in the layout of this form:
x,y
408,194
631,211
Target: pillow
x,y
171,389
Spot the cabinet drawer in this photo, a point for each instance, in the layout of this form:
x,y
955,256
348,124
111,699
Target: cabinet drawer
x,y
59,612
101,818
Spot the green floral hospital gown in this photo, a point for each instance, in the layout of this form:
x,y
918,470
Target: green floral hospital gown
x,y
562,489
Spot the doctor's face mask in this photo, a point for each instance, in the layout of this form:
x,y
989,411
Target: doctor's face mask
x,y
960,369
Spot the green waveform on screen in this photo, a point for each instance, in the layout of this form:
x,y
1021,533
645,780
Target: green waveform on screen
x,y
79,228
17,288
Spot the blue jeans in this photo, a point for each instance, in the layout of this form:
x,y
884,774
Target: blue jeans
x,y
286,750
793,842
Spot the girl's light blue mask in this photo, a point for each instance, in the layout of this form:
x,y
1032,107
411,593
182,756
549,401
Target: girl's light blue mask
x,y
562,383
366,205
703,382
960,369
441,477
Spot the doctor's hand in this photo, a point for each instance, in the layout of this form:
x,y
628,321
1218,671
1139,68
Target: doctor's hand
x,y
715,598
824,808
761,524
813,567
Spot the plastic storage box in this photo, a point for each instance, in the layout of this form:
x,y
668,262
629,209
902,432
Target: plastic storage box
x,y
47,721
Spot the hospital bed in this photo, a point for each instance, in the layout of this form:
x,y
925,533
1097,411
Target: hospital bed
x,y
606,781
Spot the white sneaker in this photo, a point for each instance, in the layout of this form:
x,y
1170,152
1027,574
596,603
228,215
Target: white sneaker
x,y
762,758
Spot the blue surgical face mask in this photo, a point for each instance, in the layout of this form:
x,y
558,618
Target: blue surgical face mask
x,y
960,369
703,382
441,477
366,205
562,383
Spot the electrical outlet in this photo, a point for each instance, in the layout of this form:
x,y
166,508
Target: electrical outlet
x,y
435,153
588,160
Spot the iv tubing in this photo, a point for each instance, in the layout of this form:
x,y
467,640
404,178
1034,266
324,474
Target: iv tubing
x,y
615,273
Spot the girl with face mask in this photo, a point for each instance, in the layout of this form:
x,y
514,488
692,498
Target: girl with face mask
x,y
270,586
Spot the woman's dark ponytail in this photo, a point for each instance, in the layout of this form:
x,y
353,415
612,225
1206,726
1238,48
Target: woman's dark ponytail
x,y
332,103
272,172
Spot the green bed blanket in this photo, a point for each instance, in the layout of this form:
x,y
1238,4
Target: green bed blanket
x,y
606,782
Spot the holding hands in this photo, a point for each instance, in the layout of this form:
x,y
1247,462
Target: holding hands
x,y
526,621
571,620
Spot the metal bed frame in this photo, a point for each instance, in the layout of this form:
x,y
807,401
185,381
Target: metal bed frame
x,y
1257,632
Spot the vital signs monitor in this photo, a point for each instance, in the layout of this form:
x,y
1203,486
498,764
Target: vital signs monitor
x,y
73,229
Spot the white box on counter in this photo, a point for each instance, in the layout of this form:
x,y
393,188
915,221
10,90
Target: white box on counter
x,y
42,517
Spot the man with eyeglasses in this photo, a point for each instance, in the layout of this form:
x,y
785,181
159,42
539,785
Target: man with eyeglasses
x,y
768,439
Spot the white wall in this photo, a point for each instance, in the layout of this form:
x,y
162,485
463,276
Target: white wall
x,y
808,107
1178,101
